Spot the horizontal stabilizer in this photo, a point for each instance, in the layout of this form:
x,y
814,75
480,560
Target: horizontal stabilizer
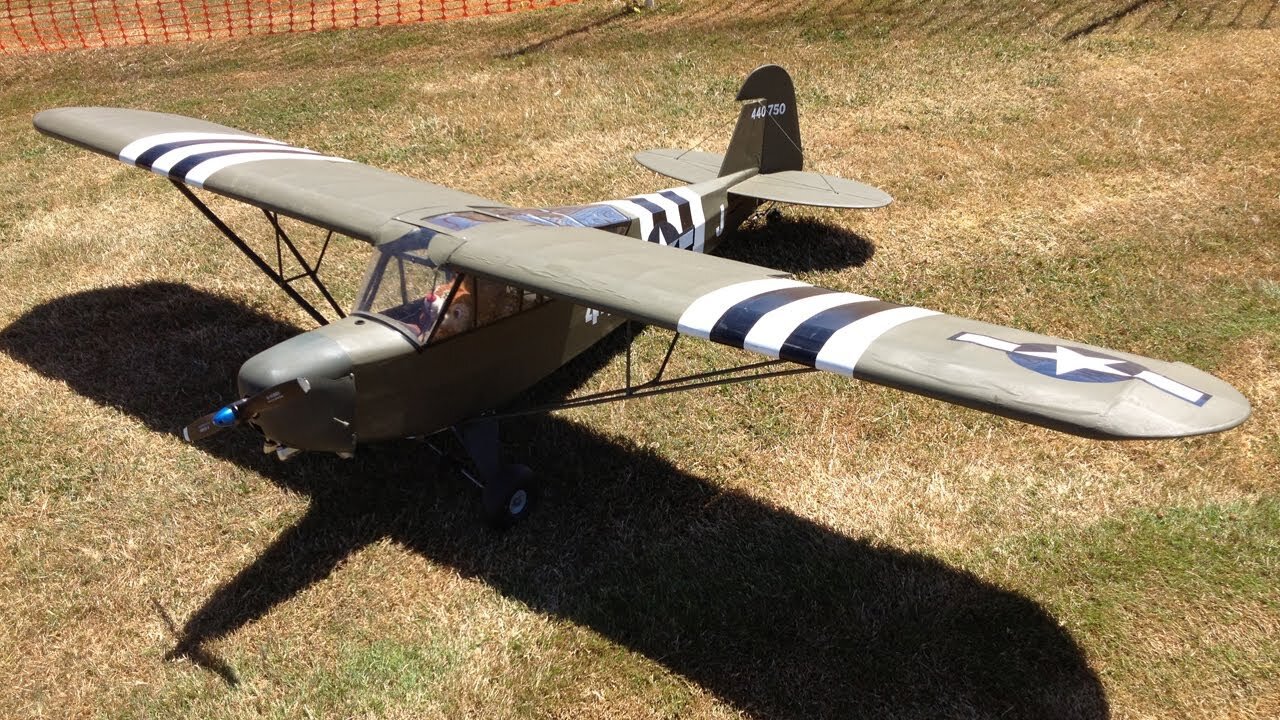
x,y
795,187
690,166
809,188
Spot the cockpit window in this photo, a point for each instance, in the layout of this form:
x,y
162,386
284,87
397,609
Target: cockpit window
x,y
537,216
595,215
461,220
403,285
479,301
428,303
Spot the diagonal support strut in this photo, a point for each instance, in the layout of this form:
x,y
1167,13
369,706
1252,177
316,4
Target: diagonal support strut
x,y
262,265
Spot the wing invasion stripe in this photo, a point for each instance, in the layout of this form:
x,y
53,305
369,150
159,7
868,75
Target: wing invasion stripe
x,y
158,153
844,349
167,161
131,152
200,173
183,168
773,329
808,340
702,314
733,326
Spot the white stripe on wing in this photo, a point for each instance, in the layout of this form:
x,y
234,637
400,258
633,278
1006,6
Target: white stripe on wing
x,y
165,162
703,313
131,151
772,330
200,173
841,352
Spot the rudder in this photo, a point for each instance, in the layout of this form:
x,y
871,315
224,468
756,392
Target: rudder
x,y
767,136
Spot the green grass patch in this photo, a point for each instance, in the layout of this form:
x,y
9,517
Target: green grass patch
x,y
1190,586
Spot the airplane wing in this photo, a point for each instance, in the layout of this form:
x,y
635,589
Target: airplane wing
x,y
1061,384
336,194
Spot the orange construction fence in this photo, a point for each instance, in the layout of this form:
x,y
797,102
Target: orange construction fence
x,y
33,25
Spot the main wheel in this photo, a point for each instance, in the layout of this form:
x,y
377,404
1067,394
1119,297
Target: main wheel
x,y
509,498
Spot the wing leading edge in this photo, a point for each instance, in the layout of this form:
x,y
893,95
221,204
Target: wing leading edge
x,y
1061,384
334,193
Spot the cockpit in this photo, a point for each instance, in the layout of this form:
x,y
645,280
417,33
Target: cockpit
x,y
405,289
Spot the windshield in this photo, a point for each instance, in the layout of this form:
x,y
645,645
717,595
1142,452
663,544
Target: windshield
x,y
404,286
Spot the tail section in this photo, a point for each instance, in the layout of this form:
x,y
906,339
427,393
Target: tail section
x,y
767,137
766,140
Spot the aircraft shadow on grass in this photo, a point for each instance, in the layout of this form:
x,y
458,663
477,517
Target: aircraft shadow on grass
x,y
770,612
798,243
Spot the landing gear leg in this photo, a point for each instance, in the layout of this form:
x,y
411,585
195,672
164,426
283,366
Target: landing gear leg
x,y
507,492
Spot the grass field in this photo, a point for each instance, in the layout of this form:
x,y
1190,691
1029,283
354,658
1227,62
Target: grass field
x,y
806,547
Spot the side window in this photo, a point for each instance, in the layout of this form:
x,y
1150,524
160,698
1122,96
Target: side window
x,y
530,300
478,301
494,301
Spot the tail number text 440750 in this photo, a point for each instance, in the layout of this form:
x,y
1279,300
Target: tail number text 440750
x,y
769,110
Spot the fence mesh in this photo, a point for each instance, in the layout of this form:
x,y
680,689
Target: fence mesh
x,y
35,25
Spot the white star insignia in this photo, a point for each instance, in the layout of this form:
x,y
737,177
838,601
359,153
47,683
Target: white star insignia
x,y
1069,361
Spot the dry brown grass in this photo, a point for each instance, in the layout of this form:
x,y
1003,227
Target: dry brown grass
x,y
804,547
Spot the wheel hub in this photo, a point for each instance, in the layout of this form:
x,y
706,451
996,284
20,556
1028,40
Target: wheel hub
x,y
516,505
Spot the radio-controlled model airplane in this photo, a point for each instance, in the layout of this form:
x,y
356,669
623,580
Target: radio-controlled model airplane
x,y
467,302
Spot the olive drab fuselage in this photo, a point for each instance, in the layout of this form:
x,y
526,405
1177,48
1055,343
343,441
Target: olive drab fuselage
x,y
371,380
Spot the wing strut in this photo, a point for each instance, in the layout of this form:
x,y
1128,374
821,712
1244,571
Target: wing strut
x,y
276,274
658,385
307,270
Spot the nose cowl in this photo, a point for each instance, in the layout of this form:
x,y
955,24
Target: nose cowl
x,y
323,418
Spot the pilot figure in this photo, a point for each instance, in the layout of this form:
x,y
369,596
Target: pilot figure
x,y
457,317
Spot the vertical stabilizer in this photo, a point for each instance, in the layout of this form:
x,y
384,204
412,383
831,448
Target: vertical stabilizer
x,y
767,137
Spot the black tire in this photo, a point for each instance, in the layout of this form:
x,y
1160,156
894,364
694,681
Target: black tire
x,y
510,497
773,216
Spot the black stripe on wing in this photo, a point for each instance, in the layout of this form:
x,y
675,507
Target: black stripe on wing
x,y
148,158
180,170
806,341
733,326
